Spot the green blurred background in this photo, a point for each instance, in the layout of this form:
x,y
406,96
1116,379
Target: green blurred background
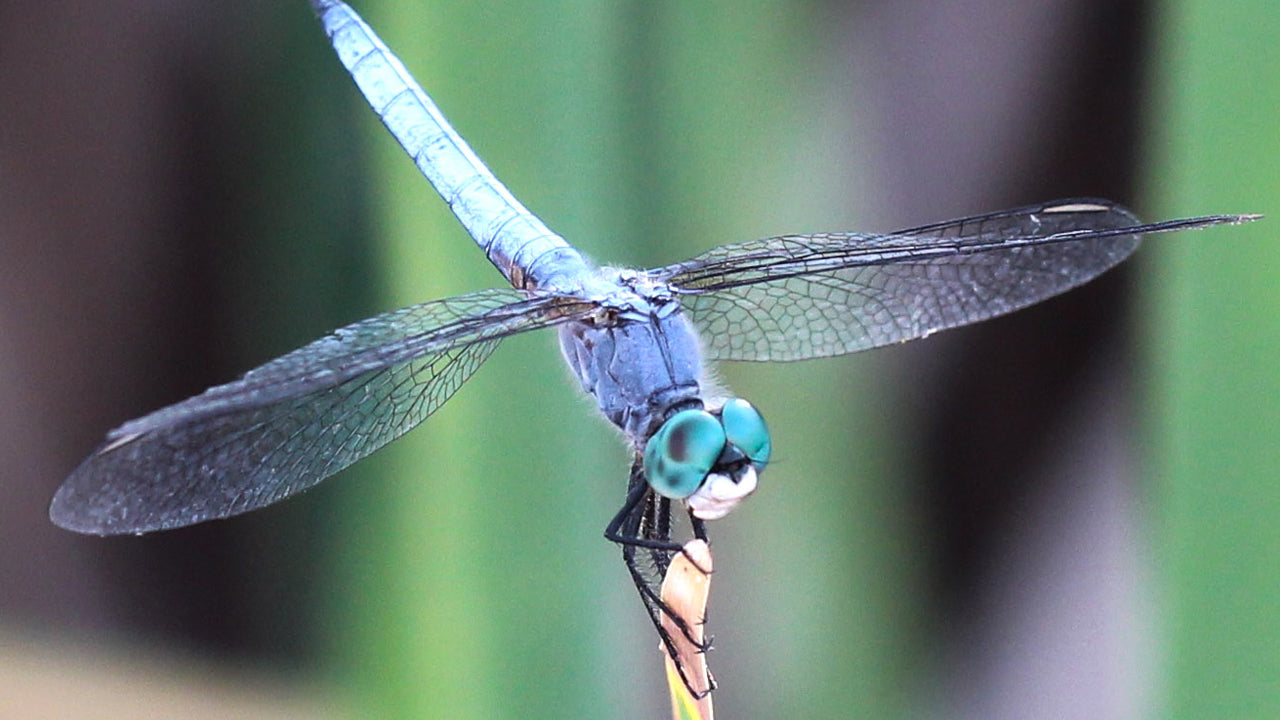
x,y
1070,512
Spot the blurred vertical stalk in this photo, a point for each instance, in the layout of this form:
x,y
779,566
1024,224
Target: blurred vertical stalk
x,y
1214,380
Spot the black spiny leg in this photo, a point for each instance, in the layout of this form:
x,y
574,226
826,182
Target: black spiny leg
x,y
643,526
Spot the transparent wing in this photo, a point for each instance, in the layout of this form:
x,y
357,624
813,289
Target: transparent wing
x,y
296,420
805,296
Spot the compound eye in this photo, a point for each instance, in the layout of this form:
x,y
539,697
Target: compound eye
x,y
682,452
744,428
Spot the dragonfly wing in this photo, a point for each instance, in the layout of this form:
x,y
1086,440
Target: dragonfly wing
x,y
296,420
805,296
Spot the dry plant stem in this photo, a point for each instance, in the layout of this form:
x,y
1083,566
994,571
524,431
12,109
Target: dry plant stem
x,y
685,589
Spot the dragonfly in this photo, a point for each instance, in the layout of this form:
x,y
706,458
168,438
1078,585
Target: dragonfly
x,y
639,342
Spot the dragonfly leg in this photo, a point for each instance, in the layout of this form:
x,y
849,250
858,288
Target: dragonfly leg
x,y
699,527
643,528
634,525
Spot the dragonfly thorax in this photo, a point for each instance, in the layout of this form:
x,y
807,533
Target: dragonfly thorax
x,y
643,364
640,369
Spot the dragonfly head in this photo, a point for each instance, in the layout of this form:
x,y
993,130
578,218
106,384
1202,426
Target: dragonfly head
x,y
710,460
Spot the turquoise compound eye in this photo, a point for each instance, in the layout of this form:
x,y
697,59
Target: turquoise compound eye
x,y
744,428
682,452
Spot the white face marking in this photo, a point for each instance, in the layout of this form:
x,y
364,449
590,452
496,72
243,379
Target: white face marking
x,y
719,494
